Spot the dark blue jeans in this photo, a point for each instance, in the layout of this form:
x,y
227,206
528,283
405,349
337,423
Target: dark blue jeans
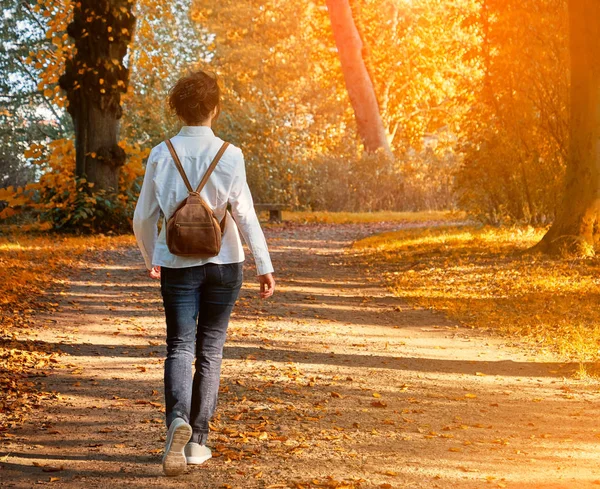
x,y
198,302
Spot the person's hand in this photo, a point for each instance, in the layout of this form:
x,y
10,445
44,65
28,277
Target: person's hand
x,y
155,272
267,285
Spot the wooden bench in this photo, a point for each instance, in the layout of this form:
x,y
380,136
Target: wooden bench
x,y
274,210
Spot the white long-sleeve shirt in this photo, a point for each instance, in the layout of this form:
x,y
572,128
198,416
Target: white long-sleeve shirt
x,y
164,189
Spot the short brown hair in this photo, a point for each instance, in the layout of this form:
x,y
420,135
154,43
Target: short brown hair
x,y
195,96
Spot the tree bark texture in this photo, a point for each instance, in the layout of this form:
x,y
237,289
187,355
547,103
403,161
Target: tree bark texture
x,y
94,80
576,227
356,76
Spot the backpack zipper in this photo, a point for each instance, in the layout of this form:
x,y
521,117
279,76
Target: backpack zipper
x,y
194,224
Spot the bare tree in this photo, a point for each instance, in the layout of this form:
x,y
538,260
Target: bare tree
x,y
358,82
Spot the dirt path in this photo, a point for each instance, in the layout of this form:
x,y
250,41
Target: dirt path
x,y
334,383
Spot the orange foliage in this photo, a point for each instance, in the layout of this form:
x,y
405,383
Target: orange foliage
x,y
472,94
60,201
514,138
287,106
57,15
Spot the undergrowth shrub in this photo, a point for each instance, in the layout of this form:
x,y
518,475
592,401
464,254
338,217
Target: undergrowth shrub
x,y
373,182
58,200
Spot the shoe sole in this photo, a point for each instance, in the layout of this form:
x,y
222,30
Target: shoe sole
x,y
174,462
198,460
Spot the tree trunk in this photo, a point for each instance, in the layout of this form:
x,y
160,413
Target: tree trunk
x,y
94,80
576,228
358,82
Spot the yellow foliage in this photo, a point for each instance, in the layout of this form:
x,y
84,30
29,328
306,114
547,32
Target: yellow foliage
x,y
480,278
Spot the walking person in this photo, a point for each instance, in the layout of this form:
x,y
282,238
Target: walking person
x,y
198,292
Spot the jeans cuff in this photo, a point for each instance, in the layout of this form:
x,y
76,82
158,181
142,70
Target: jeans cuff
x,y
199,438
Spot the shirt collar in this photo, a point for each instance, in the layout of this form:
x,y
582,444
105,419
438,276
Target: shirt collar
x,y
196,131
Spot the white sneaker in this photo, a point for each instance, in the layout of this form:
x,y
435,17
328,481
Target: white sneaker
x,y
196,454
178,435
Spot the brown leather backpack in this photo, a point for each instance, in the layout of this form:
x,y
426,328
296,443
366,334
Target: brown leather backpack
x,y
193,229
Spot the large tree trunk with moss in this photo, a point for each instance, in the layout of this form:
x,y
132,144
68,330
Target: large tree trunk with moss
x,y
94,80
576,228
358,82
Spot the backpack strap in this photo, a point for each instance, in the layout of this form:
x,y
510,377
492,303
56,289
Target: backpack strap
x,y
179,166
206,176
210,169
212,166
